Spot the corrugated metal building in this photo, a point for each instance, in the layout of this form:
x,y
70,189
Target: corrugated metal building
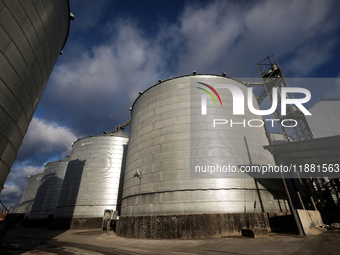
x,y
322,154
32,35
325,119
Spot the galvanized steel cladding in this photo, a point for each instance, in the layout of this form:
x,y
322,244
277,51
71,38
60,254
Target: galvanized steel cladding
x,y
159,148
47,196
92,178
32,34
325,119
30,192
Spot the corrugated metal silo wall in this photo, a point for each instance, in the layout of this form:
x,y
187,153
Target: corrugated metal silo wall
x,y
92,177
159,148
29,194
325,119
32,34
47,196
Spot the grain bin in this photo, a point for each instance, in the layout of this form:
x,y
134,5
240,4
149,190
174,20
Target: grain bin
x,y
32,35
29,194
164,144
92,177
47,196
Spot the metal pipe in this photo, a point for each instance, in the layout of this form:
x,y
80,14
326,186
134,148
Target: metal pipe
x,y
303,183
313,203
300,199
291,207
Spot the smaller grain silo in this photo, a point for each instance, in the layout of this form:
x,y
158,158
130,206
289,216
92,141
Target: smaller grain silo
x,y
29,194
91,181
48,192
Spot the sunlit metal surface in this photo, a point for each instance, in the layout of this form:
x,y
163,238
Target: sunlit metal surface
x,y
32,34
29,194
325,118
92,177
159,148
47,196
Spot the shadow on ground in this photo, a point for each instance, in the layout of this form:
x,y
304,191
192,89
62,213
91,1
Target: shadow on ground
x,y
27,239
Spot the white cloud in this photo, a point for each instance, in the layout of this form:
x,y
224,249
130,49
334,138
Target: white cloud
x,y
106,69
32,170
11,190
105,80
45,137
99,85
209,32
310,56
223,36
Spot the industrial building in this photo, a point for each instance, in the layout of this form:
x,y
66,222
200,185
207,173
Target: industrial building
x,y
32,35
325,119
321,192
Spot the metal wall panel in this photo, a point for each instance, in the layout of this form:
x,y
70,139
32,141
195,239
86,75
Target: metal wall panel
x,y
92,177
325,119
32,34
47,196
30,192
159,147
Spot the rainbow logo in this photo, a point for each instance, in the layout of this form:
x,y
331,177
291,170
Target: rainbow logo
x,y
213,90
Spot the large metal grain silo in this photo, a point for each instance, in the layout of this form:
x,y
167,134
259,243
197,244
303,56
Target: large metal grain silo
x,y
29,194
92,178
32,35
47,196
169,134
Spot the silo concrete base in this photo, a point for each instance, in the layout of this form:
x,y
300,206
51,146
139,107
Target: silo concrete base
x,y
195,226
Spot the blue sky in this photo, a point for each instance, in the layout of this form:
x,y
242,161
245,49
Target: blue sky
x,y
117,48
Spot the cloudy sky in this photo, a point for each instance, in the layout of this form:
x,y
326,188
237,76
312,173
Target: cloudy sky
x,y
117,48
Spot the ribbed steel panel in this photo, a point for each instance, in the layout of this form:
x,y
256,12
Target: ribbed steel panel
x,y
159,147
325,119
47,196
29,194
92,177
32,34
